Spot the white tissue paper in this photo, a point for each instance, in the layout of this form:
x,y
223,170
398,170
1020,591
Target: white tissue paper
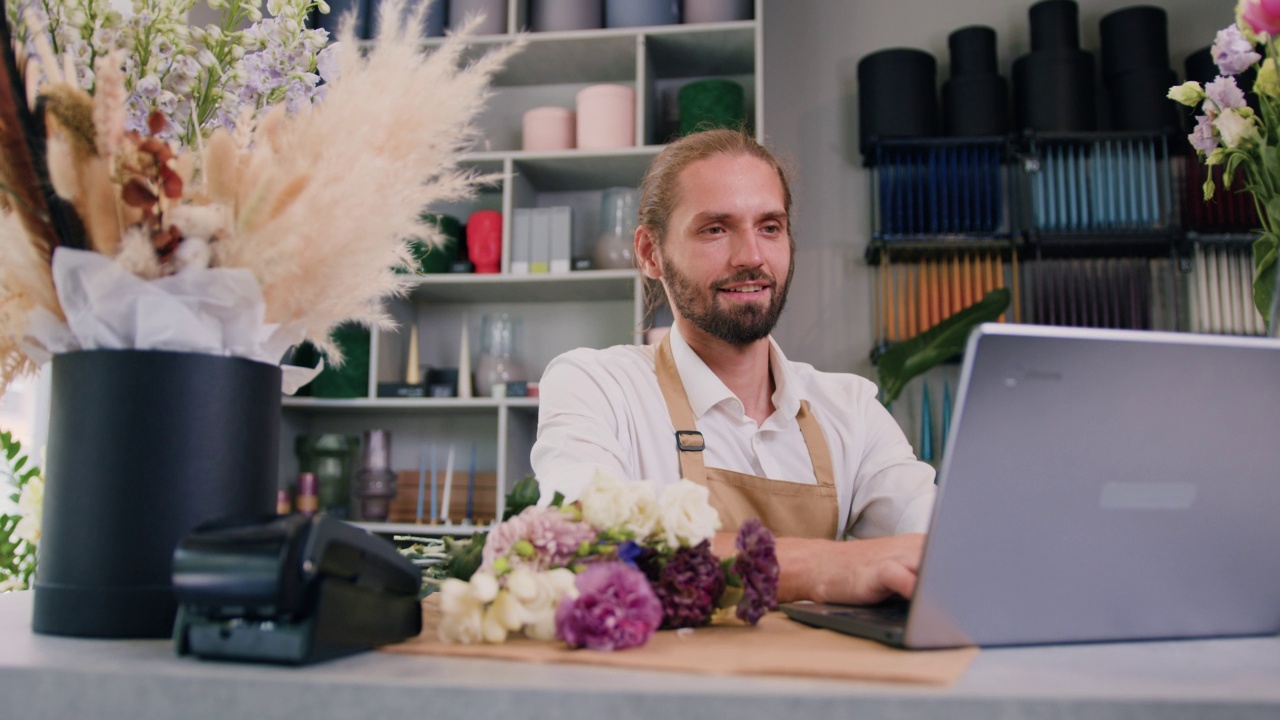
x,y
216,311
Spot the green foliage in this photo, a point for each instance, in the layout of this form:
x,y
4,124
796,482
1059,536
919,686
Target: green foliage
x,y
524,494
1264,270
465,555
17,556
945,340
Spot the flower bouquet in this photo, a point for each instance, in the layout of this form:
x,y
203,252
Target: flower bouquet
x,y
1232,134
608,570
231,192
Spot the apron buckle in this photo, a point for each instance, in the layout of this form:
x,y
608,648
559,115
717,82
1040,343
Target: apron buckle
x,y
690,441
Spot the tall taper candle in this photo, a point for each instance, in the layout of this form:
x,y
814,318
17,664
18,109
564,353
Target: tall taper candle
x,y
464,365
412,374
447,496
422,479
435,510
471,487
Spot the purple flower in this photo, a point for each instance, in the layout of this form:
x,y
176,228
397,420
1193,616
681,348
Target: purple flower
x,y
554,539
756,564
1202,137
688,584
1224,94
615,609
1232,52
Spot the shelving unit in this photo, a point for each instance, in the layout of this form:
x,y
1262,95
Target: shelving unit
x,y
558,312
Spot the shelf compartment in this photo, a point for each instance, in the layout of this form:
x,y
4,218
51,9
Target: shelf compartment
x,y
583,286
940,188
1097,183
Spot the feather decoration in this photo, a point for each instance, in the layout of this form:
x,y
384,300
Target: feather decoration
x,y
48,219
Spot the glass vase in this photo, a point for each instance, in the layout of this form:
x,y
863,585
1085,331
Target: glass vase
x,y
499,360
615,242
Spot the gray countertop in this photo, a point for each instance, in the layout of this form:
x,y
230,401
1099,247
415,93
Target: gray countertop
x,y
54,677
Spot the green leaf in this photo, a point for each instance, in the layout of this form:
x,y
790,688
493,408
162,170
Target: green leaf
x,y
1271,160
945,340
1265,251
523,494
465,556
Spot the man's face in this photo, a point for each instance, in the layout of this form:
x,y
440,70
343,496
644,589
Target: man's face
x,y
728,243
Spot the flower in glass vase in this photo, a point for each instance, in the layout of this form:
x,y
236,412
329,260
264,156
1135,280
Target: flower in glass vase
x,y
1242,139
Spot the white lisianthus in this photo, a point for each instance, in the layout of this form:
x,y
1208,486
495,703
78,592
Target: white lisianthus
x,y
685,514
31,506
1235,128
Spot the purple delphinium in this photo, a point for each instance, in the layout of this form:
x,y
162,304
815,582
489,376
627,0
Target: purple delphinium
x,y
615,609
757,565
554,538
1232,52
688,585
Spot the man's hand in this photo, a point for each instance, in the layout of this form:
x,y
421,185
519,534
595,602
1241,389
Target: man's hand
x,y
853,572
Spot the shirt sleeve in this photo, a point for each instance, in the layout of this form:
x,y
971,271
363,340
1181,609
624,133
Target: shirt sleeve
x,y
578,426
893,492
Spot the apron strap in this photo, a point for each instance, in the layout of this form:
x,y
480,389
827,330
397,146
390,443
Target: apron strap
x,y
690,443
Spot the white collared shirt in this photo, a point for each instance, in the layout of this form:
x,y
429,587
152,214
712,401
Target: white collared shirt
x,y
602,410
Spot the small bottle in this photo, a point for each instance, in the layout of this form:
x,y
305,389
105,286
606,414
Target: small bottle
x,y
284,504
308,501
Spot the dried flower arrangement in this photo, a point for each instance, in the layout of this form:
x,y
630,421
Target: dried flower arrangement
x,y
305,197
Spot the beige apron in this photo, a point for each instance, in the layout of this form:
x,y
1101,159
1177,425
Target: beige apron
x,y
788,509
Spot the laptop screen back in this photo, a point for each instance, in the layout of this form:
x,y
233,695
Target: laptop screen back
x,y
1106,485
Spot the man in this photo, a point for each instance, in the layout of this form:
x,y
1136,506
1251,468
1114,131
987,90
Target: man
x,y
813,454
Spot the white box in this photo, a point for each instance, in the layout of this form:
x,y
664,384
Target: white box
x,y
540,241
521,229
561,239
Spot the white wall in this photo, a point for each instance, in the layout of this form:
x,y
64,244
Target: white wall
x,y
811,52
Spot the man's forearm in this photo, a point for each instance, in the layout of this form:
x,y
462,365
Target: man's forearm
x,y
856,571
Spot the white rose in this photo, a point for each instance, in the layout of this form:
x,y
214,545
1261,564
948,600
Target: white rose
x,y
686,515
605,501
642,516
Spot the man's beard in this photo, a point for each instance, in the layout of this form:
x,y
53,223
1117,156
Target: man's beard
x,y
741,324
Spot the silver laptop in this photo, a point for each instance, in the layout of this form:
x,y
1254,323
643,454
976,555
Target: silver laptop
x,y
1098,485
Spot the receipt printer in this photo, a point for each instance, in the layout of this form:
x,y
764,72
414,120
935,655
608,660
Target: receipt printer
x,y
290,589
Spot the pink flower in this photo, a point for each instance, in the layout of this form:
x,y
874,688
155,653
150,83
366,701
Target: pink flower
x,y
1224,94
1202,137
548,539
1232,51
1262,15
615,609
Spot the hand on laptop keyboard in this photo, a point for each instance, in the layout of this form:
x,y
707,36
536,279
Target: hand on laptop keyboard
x,y
853,572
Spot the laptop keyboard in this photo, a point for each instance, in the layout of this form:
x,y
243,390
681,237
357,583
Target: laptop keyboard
x,y
892,611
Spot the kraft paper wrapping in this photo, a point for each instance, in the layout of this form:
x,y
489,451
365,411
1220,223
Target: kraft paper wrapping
x,y
777,647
